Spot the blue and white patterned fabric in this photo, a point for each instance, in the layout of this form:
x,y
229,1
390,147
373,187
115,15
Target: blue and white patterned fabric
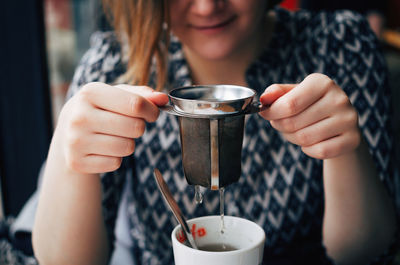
x,y
280,188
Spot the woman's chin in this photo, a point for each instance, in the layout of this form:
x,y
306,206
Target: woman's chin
x,y
213,52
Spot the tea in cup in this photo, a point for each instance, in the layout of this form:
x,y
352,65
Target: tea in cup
x,y
238,242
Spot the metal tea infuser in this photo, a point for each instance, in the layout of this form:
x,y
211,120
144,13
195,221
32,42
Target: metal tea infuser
x,y
211,123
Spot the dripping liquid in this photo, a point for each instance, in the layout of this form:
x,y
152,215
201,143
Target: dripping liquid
x,y
224,247
198,195
222,208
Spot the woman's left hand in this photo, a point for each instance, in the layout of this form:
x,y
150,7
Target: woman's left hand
x,y
315,114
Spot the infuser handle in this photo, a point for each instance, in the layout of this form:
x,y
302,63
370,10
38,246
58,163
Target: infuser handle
x,y
168,109
255,107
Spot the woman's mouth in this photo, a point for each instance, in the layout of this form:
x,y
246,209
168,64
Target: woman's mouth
x,y
214,27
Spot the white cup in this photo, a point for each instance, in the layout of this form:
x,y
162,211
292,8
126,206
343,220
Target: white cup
x,y
246,237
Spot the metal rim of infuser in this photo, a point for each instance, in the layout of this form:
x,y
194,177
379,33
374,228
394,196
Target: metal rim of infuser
x,y
210,101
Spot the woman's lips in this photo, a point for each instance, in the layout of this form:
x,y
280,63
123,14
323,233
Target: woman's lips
x,y
213,28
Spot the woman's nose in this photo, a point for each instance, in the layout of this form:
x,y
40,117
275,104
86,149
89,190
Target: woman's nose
x,y
207,7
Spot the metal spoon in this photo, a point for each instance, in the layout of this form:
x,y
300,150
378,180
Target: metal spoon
x,y
173,206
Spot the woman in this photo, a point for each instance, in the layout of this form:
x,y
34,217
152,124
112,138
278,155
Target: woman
x,y
307,174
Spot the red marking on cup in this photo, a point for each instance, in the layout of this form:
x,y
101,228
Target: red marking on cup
x,y
201,232
198,232
181,237
193,231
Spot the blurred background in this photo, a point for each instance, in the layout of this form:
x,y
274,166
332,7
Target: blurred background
x,y
44,41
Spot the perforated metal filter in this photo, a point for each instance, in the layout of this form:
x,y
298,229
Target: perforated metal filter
x,y
211,122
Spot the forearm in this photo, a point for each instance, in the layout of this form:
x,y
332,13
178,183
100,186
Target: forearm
x,y
69,227
359,221
96,129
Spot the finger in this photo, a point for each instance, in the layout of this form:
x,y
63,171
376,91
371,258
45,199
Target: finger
x,y
99,144
273,92
316,112
327,128
98,164
119,100
311,89
156,97
334,147
111,123
107,145
315,133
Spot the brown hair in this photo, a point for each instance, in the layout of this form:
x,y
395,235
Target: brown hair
x,y
144,23
135,19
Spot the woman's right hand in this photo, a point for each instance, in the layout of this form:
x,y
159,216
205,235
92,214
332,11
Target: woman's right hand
x,y
95,129
97,126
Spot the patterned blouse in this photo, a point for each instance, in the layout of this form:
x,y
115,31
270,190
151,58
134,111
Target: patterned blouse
x,y
280,187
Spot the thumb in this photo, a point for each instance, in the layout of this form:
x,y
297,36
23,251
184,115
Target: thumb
x,y
158,98
275,91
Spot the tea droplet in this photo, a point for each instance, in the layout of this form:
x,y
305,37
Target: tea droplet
x,y
198,195
222,207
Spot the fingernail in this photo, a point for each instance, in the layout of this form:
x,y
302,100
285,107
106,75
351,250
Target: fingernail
x,y
263,101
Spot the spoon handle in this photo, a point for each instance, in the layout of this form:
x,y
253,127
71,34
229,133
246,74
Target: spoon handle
x,y
173,206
